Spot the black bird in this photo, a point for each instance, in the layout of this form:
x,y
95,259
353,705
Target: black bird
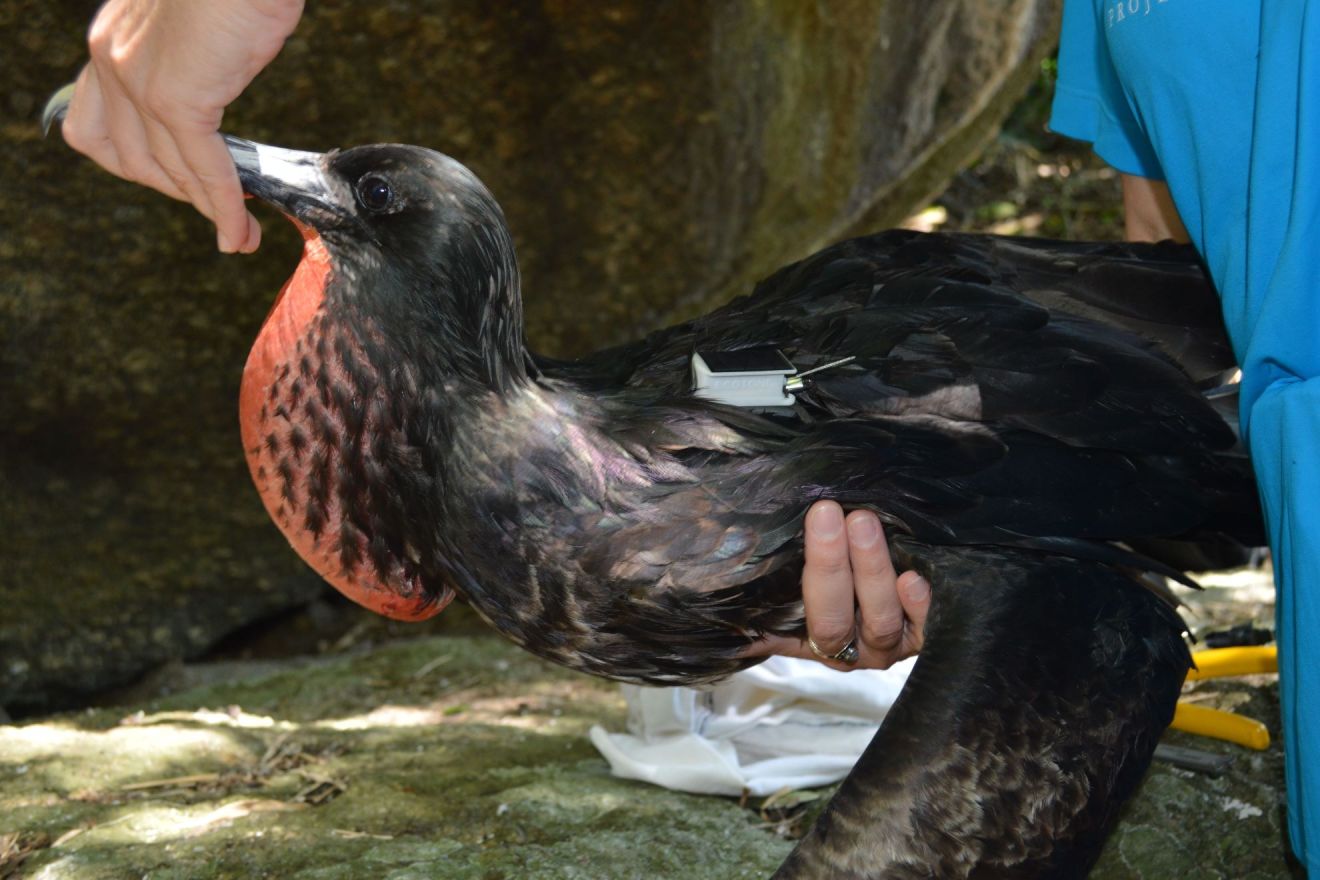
x,y
1026,417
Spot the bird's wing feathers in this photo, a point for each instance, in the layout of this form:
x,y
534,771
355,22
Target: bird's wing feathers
x,y
1156,291
926,313
995,401
986,336
971,776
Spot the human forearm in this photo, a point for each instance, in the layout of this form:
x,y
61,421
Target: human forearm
x,y
1148,211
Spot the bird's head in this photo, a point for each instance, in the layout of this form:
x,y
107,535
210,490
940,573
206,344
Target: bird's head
x,y
415,240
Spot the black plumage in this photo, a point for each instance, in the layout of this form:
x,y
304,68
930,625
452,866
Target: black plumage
x,y
1021,414
1026,417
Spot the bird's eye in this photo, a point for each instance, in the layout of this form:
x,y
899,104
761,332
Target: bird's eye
x,y
375,193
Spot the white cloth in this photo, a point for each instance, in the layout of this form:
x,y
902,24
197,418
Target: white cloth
x,y
786,723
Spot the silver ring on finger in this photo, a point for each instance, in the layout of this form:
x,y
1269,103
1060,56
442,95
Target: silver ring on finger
x,y
848,654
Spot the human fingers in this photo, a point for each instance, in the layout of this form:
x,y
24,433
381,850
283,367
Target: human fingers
x,y
106,124
827,584
139,155
211,170
880,611
851,590
166,152
914,594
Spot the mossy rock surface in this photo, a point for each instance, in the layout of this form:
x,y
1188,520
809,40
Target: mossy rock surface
x,y
462,757
454,757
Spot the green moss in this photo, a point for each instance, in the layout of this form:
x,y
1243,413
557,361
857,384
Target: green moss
x,y
509,787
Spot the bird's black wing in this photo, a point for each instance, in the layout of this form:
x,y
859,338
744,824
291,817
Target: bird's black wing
x,y
1064,354
1156,291
1020,731
1076,342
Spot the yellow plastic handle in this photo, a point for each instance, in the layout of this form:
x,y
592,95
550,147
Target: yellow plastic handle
x,y
1219,662
1216,723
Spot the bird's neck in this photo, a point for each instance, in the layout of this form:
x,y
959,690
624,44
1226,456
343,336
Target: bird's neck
x,y
403,477
373,434
454,312
332,419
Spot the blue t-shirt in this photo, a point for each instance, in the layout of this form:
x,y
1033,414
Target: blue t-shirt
x,y
1222,101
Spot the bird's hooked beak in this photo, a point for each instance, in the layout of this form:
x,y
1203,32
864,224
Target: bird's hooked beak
x,y
291,180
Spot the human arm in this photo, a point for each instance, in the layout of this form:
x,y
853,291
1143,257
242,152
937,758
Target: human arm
x,y
148,105
1148,211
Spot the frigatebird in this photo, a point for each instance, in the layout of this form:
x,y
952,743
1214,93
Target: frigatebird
x,y
1027,418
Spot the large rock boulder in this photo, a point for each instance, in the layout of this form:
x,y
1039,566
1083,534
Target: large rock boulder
x,y
652,158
